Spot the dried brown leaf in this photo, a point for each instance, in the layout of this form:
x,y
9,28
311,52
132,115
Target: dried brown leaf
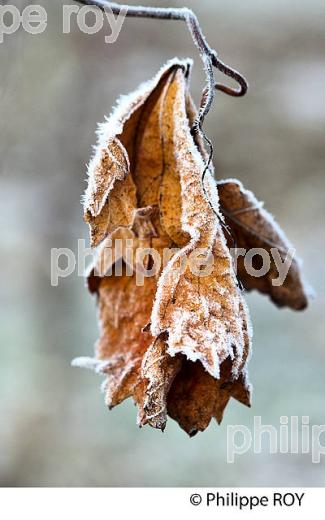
x,y
204,316
178,343
253,227
158,371
114,171
196,397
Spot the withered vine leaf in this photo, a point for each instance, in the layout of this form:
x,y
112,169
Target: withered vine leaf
x,y
179,342
254,227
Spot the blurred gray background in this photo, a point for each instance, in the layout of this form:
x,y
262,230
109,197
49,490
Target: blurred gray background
x,y
54,88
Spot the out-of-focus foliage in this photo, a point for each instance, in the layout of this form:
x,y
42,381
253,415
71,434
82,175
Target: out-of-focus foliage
x,y
53,89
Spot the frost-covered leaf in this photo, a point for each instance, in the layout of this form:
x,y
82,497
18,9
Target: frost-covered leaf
x,y
124,307
202,314
116,170
253,227
196,397
124,310
109,179
157,373
179,341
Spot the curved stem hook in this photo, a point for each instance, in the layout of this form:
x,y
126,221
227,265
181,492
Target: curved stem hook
x,y
234,74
